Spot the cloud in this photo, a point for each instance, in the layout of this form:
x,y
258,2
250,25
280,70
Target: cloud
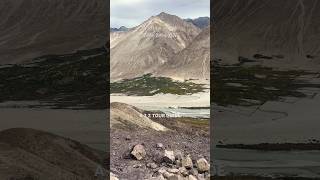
x,y
133,12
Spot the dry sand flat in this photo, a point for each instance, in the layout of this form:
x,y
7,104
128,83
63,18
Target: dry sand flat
x,y
165,100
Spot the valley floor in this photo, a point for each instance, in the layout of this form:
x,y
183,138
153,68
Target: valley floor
x,y
286,114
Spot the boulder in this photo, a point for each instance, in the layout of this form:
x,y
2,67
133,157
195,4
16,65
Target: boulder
x,y
138,152
203,165
173,170
168,157
183,171
113,177
187,162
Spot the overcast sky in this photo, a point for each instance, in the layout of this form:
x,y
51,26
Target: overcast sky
x,y
131,13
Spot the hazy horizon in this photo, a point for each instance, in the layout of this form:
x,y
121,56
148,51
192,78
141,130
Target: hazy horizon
x,y
131,13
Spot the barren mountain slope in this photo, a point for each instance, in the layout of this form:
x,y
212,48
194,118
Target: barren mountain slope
x,y
30,29
288,30
193,62
144,48
33,154
127,116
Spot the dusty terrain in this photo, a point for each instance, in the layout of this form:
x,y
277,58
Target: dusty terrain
x,y
191,136
33,154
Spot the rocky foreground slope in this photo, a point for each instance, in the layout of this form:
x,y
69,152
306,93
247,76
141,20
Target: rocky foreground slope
x,y
30,29
32,154
276,33
143,152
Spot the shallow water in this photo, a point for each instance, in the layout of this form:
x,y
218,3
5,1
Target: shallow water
x,y
181,112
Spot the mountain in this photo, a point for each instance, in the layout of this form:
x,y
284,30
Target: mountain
x,y
201,22
30,29
193,62
122,28
32,154
275,33
143,49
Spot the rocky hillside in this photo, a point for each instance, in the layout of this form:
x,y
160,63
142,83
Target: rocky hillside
x,y
143,49
275,33
141,151
193,62
32,154
127,116
201,22
30,29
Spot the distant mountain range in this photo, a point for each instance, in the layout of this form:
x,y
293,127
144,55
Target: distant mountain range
x,y
122,28
201,22
155,45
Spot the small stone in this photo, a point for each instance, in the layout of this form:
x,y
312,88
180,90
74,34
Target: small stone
x,y
157,157
174,171
183,171
113,177
128,138
201,177
159,146
137,166
168,156
152,165
191,177
178,162
167,175
162,170
203,165
194,172
178,154
138,152
175,177
187,162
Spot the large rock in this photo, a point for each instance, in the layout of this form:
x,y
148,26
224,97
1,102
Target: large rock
x,y
187,162
202,165
168,156
138,152
113,177
183,171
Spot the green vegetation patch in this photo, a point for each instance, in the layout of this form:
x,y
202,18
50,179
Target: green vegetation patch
x,y
148,85
255,85
77,79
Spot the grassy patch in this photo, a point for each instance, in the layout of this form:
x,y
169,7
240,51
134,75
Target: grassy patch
x,y
256,84
77,79
147,85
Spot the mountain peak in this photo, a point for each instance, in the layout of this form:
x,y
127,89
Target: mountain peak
x,y
164,15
